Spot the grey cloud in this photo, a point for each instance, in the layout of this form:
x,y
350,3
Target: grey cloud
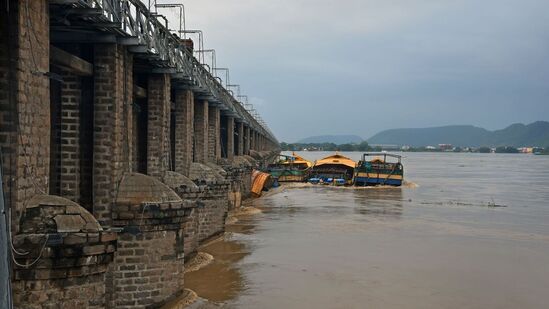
x,y
421,63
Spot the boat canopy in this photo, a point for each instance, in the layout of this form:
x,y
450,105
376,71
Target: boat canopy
x,y
336,159
301,160
294,159
378,156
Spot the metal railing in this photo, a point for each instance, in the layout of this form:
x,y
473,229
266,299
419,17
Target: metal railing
x,y
134,21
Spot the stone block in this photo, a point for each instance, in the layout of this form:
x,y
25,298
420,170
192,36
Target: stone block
x,y
75,239
93,250
69,223
108,236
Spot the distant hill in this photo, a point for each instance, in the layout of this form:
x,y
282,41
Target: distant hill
x,y
517,135
336,139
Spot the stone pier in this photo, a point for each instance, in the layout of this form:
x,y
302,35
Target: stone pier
x,y
121,154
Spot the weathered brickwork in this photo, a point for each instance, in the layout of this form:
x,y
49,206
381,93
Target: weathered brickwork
x,y
230,138
148,269
252,140
212,199
112,130
239,175
139,135
86,143
246,140
214,138
259,145
212,211
136,110
240,134
201,129
184,118
190,234
158,141
190,193
25,113
148,265
7,100
69,158
126,69
70,269
87,291
127,250
256,137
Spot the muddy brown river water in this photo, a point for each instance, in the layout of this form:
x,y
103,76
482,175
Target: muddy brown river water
x,y
440,244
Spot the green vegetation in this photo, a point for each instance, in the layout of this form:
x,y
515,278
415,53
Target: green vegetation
x,y
506,149
363,146
422,149
335,139
516,135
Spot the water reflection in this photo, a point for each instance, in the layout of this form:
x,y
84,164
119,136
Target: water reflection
x,y
378,203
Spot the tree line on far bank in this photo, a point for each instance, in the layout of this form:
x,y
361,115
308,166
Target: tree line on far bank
x,y
364,146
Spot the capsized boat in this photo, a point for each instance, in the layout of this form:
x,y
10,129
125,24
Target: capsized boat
x,y
290,168
378,170
260,182
335,169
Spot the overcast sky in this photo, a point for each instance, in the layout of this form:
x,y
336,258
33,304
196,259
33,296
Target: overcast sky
x,y
314,67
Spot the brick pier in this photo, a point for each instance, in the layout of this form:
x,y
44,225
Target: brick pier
x,y
121,153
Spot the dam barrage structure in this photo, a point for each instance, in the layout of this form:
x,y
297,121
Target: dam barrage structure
x,y
121,153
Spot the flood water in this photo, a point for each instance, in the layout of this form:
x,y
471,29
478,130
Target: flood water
x,y
441,244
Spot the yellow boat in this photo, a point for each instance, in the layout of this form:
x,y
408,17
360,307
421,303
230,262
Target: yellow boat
x,y
290,168
379,171
336,169
300,161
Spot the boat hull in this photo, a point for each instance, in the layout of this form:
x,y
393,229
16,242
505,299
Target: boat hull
x,y
335,169
289,175
378,171
375,180
328,175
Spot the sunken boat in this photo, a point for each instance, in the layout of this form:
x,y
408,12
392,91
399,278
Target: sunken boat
x,y
292,168
335,169
379,168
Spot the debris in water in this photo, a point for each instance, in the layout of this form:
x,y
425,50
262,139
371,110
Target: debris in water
x,y
458,203
493,204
